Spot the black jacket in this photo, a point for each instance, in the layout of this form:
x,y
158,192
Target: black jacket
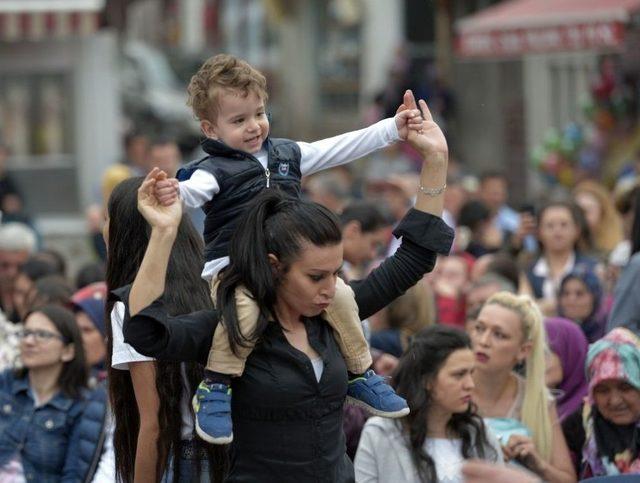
x,y
241,177
287,426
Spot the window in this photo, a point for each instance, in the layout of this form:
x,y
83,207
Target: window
x,y
36,124
339,55
35,114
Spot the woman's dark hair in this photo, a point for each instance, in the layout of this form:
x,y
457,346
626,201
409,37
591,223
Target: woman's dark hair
x,y
51,289
89,273
35,268
584,242
276,224
420,364
73,377
53,258
506,266
367,214
185,292
473,213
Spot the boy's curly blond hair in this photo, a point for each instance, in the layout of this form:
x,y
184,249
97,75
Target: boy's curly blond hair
x,y
219,73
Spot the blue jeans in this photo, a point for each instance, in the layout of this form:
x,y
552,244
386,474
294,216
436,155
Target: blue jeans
x,y
188,473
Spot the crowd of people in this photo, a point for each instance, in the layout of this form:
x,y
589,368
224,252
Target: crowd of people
x,y
236,303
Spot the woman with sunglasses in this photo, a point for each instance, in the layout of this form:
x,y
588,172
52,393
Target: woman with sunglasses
x,y
44,406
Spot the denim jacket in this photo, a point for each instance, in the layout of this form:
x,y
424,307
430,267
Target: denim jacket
x,y
46,437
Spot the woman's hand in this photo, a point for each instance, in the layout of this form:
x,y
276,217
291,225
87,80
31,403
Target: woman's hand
x,y
157,214
522,449
429,140
477,471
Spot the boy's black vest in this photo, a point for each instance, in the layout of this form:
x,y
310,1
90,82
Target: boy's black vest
x,y
241,177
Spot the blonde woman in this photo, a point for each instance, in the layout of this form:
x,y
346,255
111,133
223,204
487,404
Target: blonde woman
x,y
509,332
605,223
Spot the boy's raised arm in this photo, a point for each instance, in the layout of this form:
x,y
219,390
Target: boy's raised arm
x,y
347,147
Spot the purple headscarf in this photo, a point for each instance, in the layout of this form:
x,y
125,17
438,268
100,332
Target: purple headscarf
x,y
569,343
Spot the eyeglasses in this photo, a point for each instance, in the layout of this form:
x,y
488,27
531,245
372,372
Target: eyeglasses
x,y
41,336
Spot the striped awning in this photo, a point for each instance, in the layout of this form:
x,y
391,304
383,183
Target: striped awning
x,y
48,19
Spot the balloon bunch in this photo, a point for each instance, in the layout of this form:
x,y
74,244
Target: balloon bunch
x,y
566,156
560,153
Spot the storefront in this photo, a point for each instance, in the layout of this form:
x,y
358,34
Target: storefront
x,y
59,105
554,47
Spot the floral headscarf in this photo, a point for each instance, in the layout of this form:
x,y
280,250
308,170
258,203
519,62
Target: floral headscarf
x,y
610,449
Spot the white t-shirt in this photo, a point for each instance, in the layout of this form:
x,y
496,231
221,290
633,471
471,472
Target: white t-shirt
x,y
314,157
106,471
123,354
550,285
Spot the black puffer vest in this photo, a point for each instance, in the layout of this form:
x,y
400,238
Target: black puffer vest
x,y
241,177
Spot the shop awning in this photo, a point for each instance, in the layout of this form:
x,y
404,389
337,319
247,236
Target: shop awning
x,y
48,19
519,27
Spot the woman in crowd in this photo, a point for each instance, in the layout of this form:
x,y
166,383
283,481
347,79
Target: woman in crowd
x,y
88,305
476,231
46,414
565,364
604,435
404,317
33,270
51,289
626,303
443,428
509,332
604,221
450,280
581,300
154,432
287,405
562,231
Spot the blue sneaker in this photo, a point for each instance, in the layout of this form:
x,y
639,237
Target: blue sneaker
x,y
212,407
372,393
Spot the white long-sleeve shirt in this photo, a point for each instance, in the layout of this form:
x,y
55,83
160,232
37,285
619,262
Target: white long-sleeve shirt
x,y
202,186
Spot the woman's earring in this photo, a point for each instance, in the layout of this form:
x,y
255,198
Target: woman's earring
x,y
520,366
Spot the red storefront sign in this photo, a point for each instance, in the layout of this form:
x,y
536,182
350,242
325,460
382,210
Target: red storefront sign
x,y
546,39
519,27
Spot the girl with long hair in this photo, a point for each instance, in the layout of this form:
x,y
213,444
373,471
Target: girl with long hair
x,y
508,332
604,221
150,399
442,429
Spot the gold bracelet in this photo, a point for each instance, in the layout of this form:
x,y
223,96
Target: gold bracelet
x,y
433,191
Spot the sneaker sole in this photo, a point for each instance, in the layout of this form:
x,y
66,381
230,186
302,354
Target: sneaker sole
x,y
207,437
376,412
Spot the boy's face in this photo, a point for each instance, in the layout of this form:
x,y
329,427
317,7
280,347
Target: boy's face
x,y
241,122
